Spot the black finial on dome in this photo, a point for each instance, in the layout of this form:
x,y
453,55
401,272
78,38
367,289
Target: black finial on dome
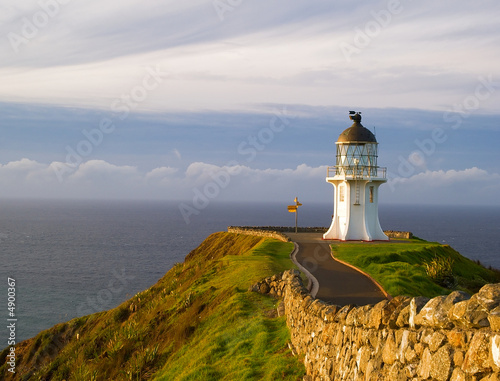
x,y
356,133
355,116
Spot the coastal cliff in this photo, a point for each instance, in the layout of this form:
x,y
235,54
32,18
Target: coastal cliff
x,y
204,320
198,322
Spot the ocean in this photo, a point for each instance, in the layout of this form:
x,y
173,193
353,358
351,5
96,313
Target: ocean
x,y
72,258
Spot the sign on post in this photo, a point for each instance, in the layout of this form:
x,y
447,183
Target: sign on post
x,y
294,209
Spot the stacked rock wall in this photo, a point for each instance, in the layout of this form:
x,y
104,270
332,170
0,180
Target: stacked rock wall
x,y
398,234
261,232
454,337
277,231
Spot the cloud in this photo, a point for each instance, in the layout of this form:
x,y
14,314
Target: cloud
x,y
100,179
234,182
89,54
467,186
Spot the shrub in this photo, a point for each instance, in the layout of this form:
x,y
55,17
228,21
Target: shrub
x,y
440,270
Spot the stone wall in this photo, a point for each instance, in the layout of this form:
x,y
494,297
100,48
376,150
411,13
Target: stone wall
x,y
398,234
258,231
454,337
277,231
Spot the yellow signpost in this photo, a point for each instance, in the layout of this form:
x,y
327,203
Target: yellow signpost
x,y
294,209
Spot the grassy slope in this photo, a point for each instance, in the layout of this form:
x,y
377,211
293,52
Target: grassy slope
x,y
197,322
399,267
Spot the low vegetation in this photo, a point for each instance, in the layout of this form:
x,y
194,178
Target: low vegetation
x,y
199,322
416,267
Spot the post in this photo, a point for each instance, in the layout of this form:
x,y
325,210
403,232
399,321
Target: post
x,y
296,217
294,209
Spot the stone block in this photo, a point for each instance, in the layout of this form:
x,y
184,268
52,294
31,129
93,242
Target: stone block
x,y
458,375
476,358
489,296
457,338
410,371
416,304
363,357
396,373
373,369
359,316
458,358
441,364
341,315
264,288
437,339
410,355
494,359
281,308
403,319
419,349
395,306
494,318
373,338
390,351
376,314
424,368
435,312
469,314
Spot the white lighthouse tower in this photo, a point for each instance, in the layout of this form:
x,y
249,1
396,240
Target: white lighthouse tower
x,y
356,178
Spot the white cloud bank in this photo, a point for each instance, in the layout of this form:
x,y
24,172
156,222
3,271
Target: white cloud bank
x,y
201,182
468,186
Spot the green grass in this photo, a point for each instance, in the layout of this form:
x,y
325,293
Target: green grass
x,y
235,342
199,322
401,267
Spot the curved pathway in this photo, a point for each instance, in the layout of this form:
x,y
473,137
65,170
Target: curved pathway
x,y
337,283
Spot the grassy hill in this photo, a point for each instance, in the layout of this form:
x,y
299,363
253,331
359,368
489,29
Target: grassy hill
x,y
199,322
416,267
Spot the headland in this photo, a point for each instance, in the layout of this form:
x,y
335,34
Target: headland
x,y
204,320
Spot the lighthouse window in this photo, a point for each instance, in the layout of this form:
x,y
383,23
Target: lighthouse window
x,y
341,193
371,193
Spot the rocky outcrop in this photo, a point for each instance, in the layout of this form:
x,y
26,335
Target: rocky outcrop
x,y
453,337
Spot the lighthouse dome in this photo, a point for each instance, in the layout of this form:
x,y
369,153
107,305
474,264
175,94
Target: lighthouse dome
x,y
356,133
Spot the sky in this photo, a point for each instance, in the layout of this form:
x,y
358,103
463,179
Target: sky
x,y
239,100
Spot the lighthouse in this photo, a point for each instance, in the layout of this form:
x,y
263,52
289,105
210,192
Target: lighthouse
x,y
356,179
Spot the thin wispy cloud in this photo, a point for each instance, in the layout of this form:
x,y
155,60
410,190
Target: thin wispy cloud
x,y
190,82
89,52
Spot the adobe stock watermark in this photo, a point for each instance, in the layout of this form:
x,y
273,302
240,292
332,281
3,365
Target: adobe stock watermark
x,y
104,298
31,26
249,148
120,110
224,6
455,116
364,36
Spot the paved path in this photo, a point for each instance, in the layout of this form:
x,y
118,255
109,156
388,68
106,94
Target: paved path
x,y
338,284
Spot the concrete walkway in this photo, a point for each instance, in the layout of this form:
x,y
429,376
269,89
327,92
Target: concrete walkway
x,y
338,283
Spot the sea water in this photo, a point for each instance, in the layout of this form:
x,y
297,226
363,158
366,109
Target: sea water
x,y
72,258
